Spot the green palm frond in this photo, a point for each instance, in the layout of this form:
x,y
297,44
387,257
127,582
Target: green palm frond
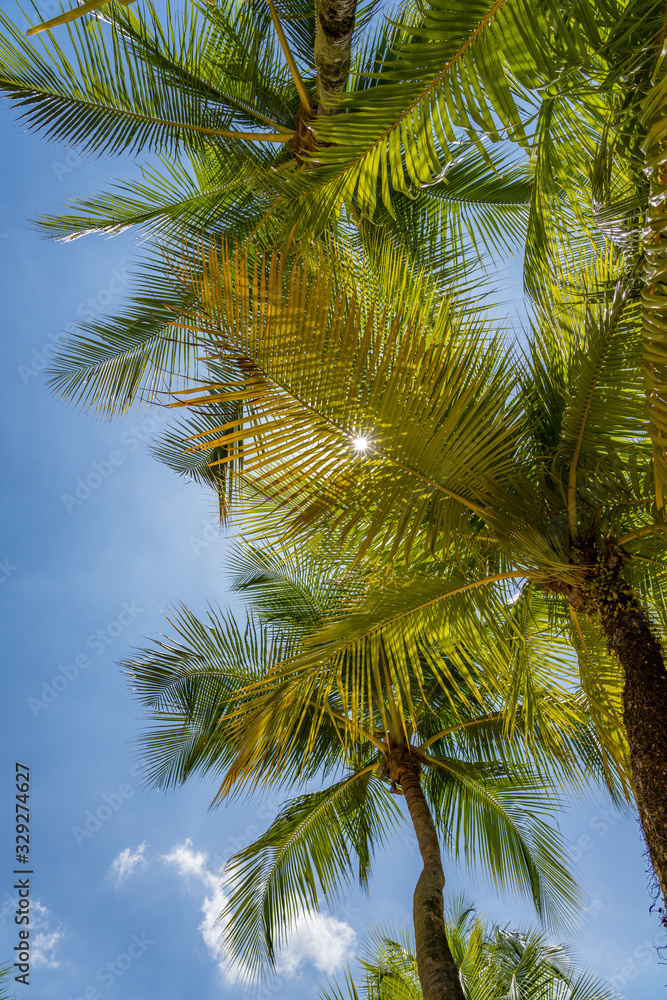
x,y
203,468
219,191
290,586
117,96
5,977
476,214
114,363
143,353
496,963
190,685
495,823
419,382
313,847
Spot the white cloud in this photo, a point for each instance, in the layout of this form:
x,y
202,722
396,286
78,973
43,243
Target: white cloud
x,y
193,864
322,940
594,908
123,866
317,939
44,942
190,862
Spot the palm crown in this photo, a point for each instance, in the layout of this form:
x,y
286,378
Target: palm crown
x,y
220,698
495,963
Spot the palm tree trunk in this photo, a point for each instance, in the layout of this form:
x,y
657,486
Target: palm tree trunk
x,y
630,636
607,600
333,45
438,974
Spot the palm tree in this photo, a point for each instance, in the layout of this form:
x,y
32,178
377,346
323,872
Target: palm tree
x,y
377,152
495,963
548,490
581,91
247,96
234,101
217,697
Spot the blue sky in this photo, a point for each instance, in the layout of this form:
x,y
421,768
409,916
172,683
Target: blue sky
x,y
121,903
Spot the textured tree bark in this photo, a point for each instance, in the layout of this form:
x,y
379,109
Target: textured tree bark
x,y
630,636
438,974
605,597
333,45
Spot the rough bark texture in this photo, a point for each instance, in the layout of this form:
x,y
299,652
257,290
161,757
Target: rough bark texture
x,y
438,974
333,45
630,635
303,138
605,597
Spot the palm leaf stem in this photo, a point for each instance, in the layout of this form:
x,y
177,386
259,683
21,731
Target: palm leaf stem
x,y
298,82
398,727
430,482
378,744
495,578
639,533
495,716
419,708
284,136
71,15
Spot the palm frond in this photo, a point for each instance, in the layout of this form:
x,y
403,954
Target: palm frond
x,y
418,382
312,847
117,96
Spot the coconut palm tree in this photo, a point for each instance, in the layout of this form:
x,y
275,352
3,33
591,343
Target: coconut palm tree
x,y
379,410
494,962
420,77
235,101
399,144
267,123
438,741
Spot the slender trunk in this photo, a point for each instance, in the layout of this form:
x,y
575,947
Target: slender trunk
x,y
438,974
333,46
630,636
